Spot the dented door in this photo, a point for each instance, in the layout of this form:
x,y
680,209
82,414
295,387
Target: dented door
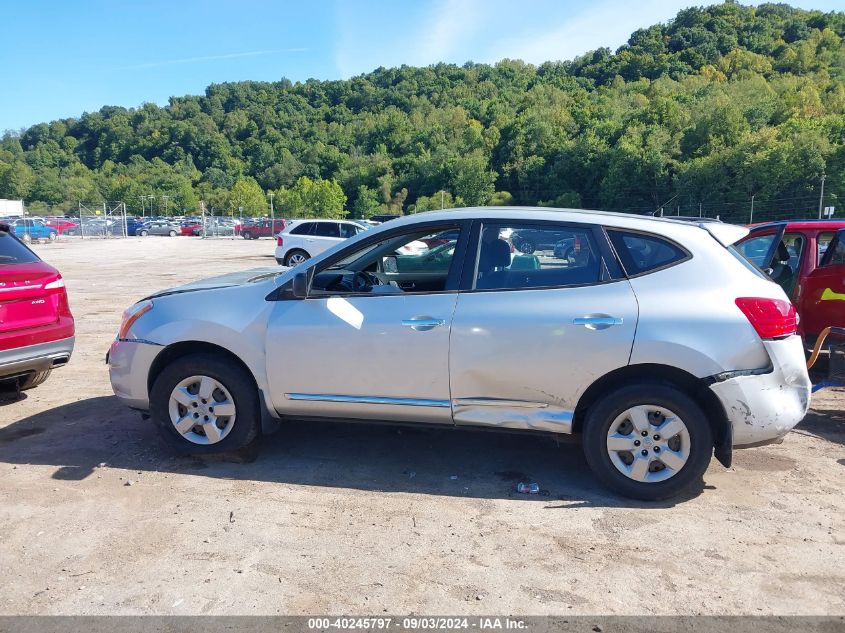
x,y
523,358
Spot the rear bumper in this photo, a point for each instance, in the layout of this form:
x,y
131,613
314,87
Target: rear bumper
x,y
764,407
35,358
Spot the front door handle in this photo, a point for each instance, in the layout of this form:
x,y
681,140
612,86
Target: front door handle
x,y
422,324
597,322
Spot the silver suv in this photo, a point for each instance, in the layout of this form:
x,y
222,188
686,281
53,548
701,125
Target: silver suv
x,y
651,338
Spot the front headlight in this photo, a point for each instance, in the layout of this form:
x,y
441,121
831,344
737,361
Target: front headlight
x,y
130,315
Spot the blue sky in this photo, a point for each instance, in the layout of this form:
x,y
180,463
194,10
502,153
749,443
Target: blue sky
x,y
63,57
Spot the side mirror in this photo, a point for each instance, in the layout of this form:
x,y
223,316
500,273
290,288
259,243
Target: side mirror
x,y
389,264
300,286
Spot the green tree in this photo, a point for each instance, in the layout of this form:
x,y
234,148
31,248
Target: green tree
x,y
312,199
247,195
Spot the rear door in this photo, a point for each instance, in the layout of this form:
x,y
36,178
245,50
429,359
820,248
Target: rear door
x,y
532,331
822,302
326,235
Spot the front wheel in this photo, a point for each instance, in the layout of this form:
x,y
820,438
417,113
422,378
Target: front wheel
x,y
172,233
648,441
205,404
52,236
247,235
26,237
143,233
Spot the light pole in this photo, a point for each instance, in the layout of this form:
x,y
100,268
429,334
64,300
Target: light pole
x,y
165,198
821,196
272,212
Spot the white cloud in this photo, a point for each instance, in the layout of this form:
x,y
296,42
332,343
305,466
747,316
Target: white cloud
x,y
452,27
605,23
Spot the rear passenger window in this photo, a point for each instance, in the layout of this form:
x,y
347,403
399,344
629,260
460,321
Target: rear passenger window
x,y
13,252
306,228
511,257
823,241
641,253
838,255
327,229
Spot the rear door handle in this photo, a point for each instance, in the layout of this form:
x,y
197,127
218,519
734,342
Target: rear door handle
x,y
421,324
597,322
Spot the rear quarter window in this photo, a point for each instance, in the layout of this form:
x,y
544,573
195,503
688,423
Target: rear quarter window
x,y
641,253
13,252
302,229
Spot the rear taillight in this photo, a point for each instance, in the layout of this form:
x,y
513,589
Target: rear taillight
x,y
279,241
772,318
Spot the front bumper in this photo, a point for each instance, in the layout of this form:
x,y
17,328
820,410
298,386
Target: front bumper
x,y
19,361
764,407
129,367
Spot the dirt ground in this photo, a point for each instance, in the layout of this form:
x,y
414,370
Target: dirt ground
x,y
96,516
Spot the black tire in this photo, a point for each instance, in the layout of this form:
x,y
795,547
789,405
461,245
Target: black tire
x,y
143,233
602,414
526,247
237,381
33,380
26,237
52,236
247,235
296,251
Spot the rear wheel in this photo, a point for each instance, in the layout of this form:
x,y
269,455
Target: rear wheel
x,y
247,235
172,233
205,404
648,441
33,380
143,233
52,236
296,257
26,237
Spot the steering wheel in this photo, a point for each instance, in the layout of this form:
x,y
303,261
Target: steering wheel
x,y
362,282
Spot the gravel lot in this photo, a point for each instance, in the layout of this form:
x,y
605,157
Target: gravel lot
x,y
97,517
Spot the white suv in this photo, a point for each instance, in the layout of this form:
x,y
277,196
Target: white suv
x,y
303,239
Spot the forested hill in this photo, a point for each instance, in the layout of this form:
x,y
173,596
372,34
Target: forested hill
x,y
721,104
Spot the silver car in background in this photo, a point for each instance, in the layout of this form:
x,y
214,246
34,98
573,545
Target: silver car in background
x,y
653,339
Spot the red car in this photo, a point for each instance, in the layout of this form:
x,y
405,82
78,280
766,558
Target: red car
x,y
36,325
253,229
189,226
807,259
60,224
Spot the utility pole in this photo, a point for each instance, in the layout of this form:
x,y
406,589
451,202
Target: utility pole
x,y
699,209
821,196
441,198
272,213
751,219
165,198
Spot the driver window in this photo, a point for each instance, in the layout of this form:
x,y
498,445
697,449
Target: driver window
x,y
414,262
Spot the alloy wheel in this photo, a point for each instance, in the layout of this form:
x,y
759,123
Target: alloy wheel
x,y
202,410
648,443
296,259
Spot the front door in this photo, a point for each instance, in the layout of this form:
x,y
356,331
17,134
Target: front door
x,y
362,346
822,300
535,330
